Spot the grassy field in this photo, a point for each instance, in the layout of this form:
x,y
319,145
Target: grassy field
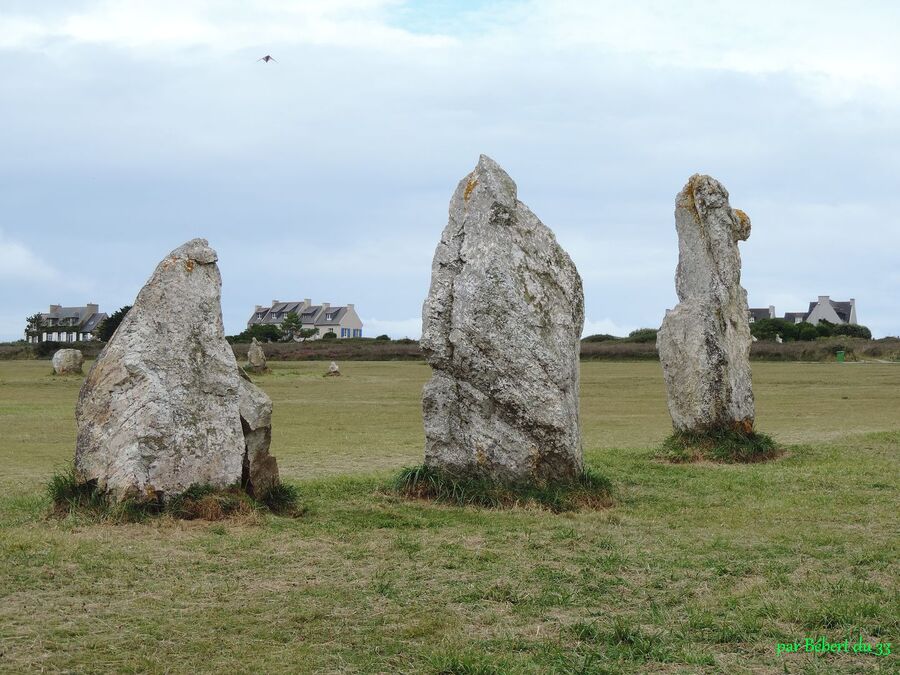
x,y
698,568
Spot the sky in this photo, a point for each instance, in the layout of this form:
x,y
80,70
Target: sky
x,y
130,127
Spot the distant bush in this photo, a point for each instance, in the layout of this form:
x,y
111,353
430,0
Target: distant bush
x,y
107,328
767,329
852,330
382,338
643,335
44,350
263,332
806,332
330,335
600,337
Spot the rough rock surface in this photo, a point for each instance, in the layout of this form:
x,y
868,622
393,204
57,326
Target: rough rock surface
x,y
333,370
260,470
68,362
704,343
161,408
256,358
501,330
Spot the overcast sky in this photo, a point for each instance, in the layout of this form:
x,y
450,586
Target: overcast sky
x,y
127,128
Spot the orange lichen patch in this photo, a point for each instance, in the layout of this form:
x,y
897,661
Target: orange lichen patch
x,y
469,187
189,265
742,217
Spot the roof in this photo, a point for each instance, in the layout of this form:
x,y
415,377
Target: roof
x,y
93,321
336,313
842,309
794,315
759,312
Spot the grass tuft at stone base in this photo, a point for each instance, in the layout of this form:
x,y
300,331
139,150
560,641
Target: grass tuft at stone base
x,y
725,445
589,491
198,502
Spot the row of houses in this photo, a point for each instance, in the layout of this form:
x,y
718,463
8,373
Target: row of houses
x,y
78,324
833,311
66,324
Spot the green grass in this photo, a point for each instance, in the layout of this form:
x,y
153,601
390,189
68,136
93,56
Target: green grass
x,y
698,567
721,445
588,490
69,497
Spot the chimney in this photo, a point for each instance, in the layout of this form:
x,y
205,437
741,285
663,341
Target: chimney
x,y
823,299
771,311
349,306
258,308
55,308
325,306
307,302
274,302
92,308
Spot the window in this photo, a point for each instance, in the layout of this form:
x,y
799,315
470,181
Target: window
x,y
259,315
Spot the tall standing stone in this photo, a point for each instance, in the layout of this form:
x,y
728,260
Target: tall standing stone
x,y
161,409
501,330
704,343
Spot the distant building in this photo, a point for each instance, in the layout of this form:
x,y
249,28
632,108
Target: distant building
x,y
831,310
823,309
757,313
343,321
68,324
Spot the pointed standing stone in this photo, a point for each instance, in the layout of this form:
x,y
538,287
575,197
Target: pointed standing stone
x,y
161,409
704,343
501,330
256,358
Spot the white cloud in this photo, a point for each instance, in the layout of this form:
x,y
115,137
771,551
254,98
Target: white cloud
x,y
605,326
221,26
395,328
19,263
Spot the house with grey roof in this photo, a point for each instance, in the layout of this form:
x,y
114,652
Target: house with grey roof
x,y
836,312
832,311
341,320
757,313
67,324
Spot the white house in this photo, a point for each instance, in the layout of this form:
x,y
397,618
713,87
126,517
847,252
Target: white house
x,y
67,324
343,320
831,310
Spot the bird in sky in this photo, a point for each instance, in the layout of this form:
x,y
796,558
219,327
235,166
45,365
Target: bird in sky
x,y
266,58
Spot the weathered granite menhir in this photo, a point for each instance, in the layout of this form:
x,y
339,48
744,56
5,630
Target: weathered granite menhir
x,y
165,407
501,330
704,343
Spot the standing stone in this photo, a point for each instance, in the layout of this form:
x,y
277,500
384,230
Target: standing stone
x,y
260,470
162,407
704,343
501,330
333,370
256,358
68,362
